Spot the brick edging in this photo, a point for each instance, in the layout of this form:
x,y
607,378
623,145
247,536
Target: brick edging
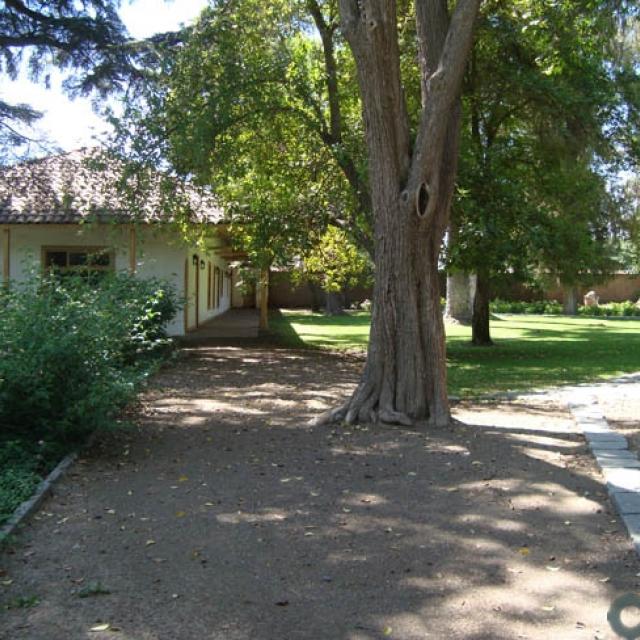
x,y
28,507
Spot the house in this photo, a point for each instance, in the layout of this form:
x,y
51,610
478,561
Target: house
x,y
65,212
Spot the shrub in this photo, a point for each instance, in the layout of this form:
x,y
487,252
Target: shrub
x,y
611,310
539,306
73,351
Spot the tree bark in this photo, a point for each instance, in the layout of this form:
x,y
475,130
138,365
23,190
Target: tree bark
x,y
570,300
461,291
335,304
317,296
404,380
480,324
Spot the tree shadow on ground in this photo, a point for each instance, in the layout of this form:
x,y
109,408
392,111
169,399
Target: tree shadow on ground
x,y
264,528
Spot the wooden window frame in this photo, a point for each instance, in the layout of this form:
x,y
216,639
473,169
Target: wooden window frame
x,y
88,249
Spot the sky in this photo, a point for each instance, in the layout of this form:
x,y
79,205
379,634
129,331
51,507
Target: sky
x,y
70,124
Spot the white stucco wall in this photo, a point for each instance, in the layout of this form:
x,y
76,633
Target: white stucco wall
x,y
202,280
159,253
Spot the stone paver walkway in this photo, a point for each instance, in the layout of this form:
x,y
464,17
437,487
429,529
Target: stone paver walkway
x,y
619,466
234,323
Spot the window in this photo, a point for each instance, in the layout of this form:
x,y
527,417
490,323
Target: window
x,y
78,259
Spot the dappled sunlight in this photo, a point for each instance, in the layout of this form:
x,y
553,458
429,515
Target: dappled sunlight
x,y
226,508
369,499
546,441
488,523
273,517
206,407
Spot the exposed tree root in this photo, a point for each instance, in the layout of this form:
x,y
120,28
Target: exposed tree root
x,y
349,415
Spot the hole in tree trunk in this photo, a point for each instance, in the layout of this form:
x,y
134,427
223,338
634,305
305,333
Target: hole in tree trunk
x,y
422,200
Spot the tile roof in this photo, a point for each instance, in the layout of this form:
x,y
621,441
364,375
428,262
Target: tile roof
x,y
82,185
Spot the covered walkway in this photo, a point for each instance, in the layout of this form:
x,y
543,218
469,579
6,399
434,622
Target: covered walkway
x,y
235,323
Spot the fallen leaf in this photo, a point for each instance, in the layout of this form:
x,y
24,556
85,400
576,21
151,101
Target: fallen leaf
x,y
524,551
548,607
550,568
388,631
183,478
101,627
180,514
148,543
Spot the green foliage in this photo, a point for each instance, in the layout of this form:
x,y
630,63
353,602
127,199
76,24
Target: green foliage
x,y
258,105
546,120
84,37
539,306
19,477
244,114
22,602
336,264
611,310
73,351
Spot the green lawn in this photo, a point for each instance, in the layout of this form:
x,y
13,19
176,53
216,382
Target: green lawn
x,y
530,351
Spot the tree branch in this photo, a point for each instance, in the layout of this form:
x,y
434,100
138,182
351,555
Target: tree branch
x,y
326,34
443,84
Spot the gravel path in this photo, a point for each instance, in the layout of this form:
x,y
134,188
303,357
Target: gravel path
x,y
222,516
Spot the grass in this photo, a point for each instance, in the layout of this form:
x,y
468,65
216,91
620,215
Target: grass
x,y
530,351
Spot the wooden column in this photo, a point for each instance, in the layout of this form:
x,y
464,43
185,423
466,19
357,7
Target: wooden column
x,y
132,249
185,311
6,256
264,299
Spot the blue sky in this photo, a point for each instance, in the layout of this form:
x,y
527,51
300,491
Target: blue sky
x,y
72,124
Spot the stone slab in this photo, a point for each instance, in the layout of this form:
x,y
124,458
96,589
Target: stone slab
x,y
592,434
632,522
621,462
626,502
604,436
622,479
608,445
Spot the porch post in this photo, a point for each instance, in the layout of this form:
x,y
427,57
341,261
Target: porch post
x,y
264,299
132,249
6,256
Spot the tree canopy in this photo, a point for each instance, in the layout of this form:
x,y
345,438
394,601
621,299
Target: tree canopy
x,y
84,39
547,120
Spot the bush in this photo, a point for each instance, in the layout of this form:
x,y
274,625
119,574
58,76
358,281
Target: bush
x,y
540,306
73,351
611,310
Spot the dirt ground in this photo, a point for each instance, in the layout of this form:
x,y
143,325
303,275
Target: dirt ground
x,y
223,516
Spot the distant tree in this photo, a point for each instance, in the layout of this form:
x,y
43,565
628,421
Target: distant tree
x,y
545,118
85,39
335,264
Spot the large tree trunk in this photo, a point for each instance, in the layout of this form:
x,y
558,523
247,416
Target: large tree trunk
x,y
404,380
317,297
570,300
334,304
461,291
480,324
